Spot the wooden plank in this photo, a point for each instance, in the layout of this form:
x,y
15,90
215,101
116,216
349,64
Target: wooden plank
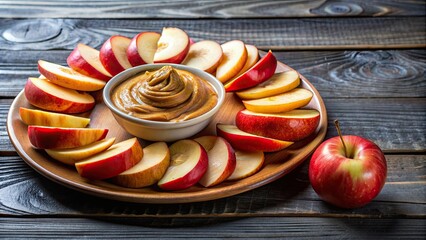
x,y
276,34
206,9
24,192
380,73
244,228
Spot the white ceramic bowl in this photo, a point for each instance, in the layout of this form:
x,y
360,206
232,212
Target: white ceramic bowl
x,y
159,130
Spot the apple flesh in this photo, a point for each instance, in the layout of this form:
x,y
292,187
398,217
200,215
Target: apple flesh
x,y
257,74
252,59
49,96
279,83
247,164
50,119
155,161
204,55
66,77
348,181
233,59
72,155
296,98
113,54
189,162
221,157
249,142
59,138
115,160
172,47
291,126
85,60
142,48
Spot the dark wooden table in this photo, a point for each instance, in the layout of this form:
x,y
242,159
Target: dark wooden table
x,y
366,58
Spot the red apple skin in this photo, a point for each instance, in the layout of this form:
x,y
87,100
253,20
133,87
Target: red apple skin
x,y
111,166
260,72
348,182
252,143
44,100
76,61
60,138
108,58
133,53
286,129
192,177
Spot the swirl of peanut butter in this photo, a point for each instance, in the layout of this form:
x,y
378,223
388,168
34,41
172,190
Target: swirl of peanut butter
x,y
167,94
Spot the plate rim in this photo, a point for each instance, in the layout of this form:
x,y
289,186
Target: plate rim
x,y
173,196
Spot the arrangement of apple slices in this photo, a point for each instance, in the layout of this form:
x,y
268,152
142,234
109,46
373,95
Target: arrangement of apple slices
x,y
273,120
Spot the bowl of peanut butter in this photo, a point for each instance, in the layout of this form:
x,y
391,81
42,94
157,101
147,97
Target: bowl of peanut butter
x,y
163,102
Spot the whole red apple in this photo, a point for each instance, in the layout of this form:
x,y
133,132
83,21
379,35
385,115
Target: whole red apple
x,y
347,171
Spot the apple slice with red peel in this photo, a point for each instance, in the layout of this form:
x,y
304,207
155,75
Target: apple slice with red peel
x,y
85,60
172,47
233,59
59,138
72,155
296,98
189,162
221,157
50,119
248,163
49,96
277,84
260,72
115,160
252,59
66,77
291,126
142,48
249,142
204,55
113,54
155,161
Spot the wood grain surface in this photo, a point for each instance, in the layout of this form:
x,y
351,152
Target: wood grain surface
x,y
289,196
207,9
366,58
276,34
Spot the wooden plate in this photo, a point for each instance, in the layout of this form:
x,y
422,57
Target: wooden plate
x,y
276,164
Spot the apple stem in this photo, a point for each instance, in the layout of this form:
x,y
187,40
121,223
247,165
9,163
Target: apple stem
x,y
336,123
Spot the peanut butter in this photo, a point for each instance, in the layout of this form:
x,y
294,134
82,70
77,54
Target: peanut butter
x,y
167,94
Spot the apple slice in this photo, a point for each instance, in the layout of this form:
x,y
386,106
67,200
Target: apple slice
x,y
59,138
221,160
155,161
189,162
257,74
113,54
66,77
287,101
115,160
249,142
85,60
291,126
248,163
50,119
252,58
142,48
72,155
172,47
205,55
277,84
49,96
233,59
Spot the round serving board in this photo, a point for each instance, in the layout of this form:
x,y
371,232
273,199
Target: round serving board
x,y
276,164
